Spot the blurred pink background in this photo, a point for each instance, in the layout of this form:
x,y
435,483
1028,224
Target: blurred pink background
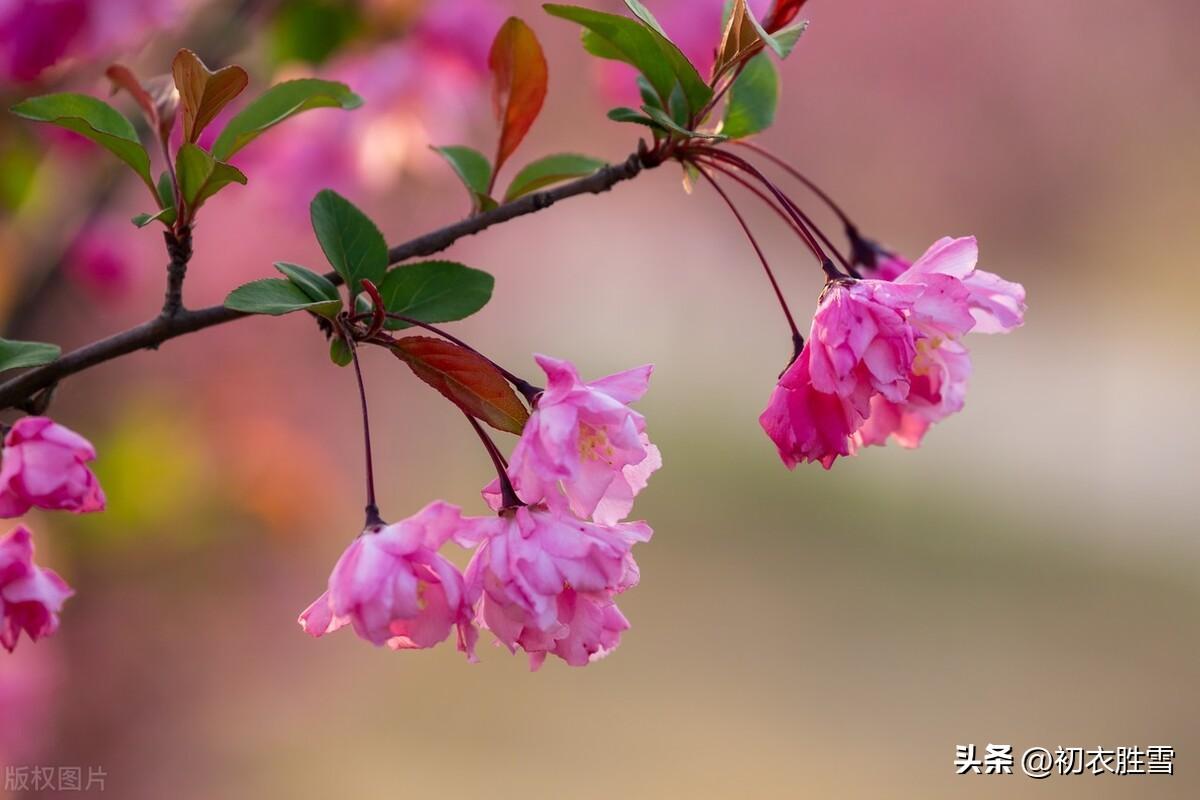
x,y
1027,577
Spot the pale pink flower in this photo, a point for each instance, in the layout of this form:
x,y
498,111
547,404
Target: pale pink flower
x,y
31,597
585,437
997,305
938,389
546,581
44,465
394,588
808,425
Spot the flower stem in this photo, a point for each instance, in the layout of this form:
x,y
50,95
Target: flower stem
x,y
798,175
508,495
372,508
787,312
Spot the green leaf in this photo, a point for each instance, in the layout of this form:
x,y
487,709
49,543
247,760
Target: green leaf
x,y
350,240
643,13
474,170
277,104
15,355
649,97
550,170
316,287
752,99
201,176
664,119
276,296
623,39
624,114
166,216
782,41
435,291
94,119
339,352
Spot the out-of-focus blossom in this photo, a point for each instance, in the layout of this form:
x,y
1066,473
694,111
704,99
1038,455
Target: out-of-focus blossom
x,y
586,438
29,679
394,588
37,34
546,581
45,466
807,425
419,90
31,597
99,260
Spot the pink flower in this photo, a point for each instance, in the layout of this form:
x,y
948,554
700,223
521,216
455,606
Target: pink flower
x,y
808,425
99,259
861,342
44,465
585,437
30,597
395,589
958,298
547,581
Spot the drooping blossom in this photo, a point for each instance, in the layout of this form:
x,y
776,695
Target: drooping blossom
x,y
44,465
395,589
805,424
584,437
546,581
37,34
986,303
31,597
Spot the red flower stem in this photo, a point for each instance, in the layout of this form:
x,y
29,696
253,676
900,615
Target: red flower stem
x,y
798,175
372,508
787,312
508,495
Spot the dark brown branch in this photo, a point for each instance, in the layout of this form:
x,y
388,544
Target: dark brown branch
x,y
19,391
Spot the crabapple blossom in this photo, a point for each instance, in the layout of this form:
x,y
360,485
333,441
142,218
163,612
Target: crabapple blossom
x,y
44,465
546,581
31,597
806,424
394,588
585,437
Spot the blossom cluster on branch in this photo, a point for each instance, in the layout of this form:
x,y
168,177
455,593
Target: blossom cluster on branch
x,y
882,358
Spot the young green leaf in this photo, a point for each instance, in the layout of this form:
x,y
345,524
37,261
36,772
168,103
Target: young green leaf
x,y
278,103
643,13
435,291
783,42
464,378
349,239
93,119
339,352
166,216
550,170
624,114
202,92
519,80
664,119
752,99
623,39
473,170
316,287
15,355
276,296
201,176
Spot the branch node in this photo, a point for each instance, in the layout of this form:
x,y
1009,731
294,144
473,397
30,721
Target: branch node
x,y
179,248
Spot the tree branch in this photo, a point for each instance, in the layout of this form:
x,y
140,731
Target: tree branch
x,y
18,392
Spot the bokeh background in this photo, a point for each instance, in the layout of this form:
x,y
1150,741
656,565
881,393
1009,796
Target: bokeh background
x,y
1027,577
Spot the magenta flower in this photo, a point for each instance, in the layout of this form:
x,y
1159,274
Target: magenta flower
x,y
806,424
394,588
44,466
546,581
861,342
30,597
586,438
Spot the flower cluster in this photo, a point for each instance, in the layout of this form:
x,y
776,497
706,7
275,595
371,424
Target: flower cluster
x,y
546,568
44,465
885,356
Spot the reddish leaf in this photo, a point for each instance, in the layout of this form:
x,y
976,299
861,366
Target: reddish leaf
x,y
202,92
519,79
740,41
464,378
157,97
782,13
